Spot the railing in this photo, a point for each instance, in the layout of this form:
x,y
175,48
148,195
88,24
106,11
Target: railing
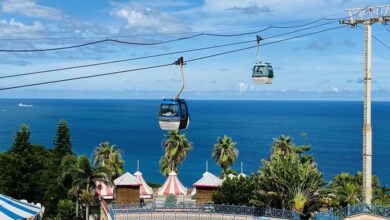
x,y
353,211
112,213
190,211
105,211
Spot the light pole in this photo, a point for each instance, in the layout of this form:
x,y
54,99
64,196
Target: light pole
x,y
367,17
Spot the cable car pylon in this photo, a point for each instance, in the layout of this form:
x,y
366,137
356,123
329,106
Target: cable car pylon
x,y
367,16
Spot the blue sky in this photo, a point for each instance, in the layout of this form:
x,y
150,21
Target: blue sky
x,y
323,66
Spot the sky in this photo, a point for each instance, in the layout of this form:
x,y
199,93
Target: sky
x,y
324,66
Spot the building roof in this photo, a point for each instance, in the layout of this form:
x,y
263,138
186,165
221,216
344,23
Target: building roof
x,y
172,186
127,179
145,190
208,180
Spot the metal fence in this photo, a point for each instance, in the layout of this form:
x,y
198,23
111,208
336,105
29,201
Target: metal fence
x,y
192,212
353,211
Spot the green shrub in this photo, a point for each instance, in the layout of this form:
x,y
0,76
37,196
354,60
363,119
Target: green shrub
x,y
65,210
170,201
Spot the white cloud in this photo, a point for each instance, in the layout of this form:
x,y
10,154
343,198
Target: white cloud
x,y
140,18
30,8
13,28
334,89
242,87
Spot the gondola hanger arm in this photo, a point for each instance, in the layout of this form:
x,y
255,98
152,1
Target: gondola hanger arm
x,y
181,64
258,39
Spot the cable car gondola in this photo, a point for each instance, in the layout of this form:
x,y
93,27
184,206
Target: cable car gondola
x,y
262,73
173,114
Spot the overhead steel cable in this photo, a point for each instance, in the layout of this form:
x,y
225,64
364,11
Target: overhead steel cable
x,y
177,33
273,42
156,55
174,33
86,77
151,43
126,60
386,28
377,39
164,65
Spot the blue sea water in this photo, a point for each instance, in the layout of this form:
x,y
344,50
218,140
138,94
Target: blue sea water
x,y
334,130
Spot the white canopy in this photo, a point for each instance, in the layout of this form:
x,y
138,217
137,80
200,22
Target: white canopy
x,y
172,186
127,180
208,180
241,175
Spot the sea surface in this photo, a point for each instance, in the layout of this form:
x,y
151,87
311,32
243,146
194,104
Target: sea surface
x,y
334,130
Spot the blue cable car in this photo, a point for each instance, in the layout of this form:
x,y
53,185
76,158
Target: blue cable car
x,y
262,73
173,115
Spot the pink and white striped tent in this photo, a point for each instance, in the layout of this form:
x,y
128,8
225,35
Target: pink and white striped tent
x,y
145,191
172,186
104,191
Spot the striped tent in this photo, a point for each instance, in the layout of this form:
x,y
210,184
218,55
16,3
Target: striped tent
x,y
104,191
172,186
12,209
145,191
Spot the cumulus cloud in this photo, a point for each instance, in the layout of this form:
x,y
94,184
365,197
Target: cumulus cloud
x,y
319,45
250,10
30,8
13,28
242,87
140,18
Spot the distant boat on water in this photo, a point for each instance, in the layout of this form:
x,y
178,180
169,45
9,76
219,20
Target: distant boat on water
x,y
24,105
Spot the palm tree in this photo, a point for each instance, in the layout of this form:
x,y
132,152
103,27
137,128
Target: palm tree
x,y
225,152
288,183
65,178
382,196
345,190
108,157
85,178
284,145
176,146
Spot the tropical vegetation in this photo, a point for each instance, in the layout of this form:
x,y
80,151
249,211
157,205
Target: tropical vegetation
x,y
108,157
54,176
225,153
176,147
290,179
65,183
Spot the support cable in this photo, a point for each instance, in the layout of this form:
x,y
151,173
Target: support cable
x,y
155,55
164,65
109,40
377,39
386,28
196,33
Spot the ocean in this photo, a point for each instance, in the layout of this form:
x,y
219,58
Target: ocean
x,y
334,130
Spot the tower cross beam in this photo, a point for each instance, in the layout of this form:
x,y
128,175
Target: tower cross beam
x,y
369,14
